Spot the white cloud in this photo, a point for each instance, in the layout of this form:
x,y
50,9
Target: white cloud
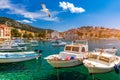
x,y
25,21
71,7
20,10
4,4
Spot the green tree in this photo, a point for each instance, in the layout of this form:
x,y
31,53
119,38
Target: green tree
x,y
30,35
15,33
36,35
42,35
25,35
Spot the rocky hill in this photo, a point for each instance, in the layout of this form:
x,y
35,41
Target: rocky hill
x,y
15,24
92,32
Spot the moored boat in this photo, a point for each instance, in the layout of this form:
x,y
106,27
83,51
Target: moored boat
x,y
9,48
58,43
72,55
34,42
9,57
98,62
107,50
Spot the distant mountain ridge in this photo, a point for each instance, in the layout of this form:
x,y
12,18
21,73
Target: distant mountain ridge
x,y
12,23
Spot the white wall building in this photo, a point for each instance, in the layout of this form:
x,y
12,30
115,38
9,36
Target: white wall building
x,y
55,35
71,36
5,32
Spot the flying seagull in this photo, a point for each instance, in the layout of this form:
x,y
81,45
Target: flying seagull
x,y
45,9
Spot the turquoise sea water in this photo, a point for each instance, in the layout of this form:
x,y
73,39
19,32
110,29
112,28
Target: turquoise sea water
x,y
41,70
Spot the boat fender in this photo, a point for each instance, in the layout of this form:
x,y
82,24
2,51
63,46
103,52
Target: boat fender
x,y
71,58
67,58
116,68
6,55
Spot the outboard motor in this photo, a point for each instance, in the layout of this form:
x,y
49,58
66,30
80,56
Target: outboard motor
x,y
40,51
116,68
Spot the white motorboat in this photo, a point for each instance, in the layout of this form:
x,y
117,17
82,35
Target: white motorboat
x,y
107,50
72,55
101,62
9,43
59,43
20,42
9,57
9,48
14,45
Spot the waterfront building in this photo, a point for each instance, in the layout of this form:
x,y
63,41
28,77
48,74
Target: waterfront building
x,y
71,36
5,32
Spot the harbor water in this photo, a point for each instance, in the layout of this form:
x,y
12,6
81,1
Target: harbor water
x,y
39,69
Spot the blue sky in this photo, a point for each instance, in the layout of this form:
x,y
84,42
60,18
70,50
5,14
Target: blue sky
x,y
65,14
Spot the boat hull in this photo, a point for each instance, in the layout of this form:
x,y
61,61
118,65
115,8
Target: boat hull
x,y
99,70
64,63
16,60
19,58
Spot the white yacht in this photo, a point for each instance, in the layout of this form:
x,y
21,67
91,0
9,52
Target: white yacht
x,y
98,62
58,43
72,55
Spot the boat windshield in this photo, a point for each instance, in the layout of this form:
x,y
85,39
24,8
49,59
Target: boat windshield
x,y
76,49
103,58
93,56
68,48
